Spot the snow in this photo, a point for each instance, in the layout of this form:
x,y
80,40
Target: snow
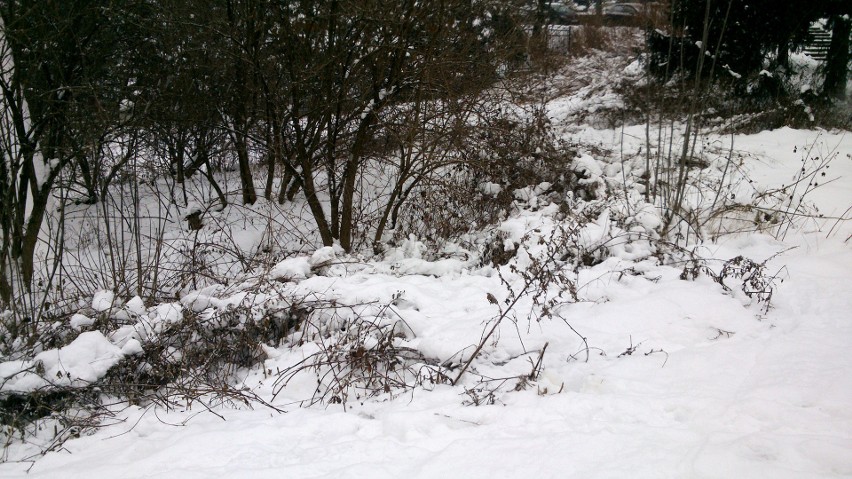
x,y
103,301
322,257
84,361
587,165
135,306
292,269
490,189
132,347
683,379
680,378
167,313
198,301
769,400
79,321
712,389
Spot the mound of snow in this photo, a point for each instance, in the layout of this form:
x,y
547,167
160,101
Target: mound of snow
x,y
293,269
84,361
135,306
322,257
103,300
80,321
490,189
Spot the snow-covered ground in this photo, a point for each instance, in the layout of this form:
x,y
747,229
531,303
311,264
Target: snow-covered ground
x,y
647,375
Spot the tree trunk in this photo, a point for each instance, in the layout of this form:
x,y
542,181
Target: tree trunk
x,y
273,149
837,62
383,221
347,212
246,180
784,53
350,177
286,177
307,180
204,159
88,179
